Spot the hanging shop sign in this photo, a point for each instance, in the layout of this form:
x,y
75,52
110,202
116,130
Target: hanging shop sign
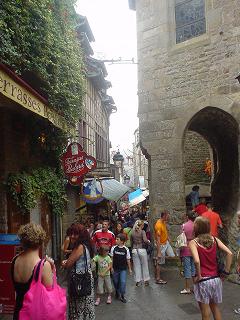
x,y
11,88
77,163
92,191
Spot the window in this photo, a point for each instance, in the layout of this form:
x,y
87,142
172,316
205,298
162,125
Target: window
x,y
84,135
190,19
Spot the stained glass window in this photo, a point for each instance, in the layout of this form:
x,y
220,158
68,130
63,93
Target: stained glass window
x,y
190,19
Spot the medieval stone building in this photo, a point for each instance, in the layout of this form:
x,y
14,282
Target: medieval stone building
x,y
140,163
93,125
188,53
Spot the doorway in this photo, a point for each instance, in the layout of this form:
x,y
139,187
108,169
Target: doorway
x,y
221,132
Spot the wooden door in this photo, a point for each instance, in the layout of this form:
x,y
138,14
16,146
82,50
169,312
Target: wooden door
x,y
16,217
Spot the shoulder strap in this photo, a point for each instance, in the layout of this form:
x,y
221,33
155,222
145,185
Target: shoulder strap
x,y
216,243
37,276
142,236
12,267
85,258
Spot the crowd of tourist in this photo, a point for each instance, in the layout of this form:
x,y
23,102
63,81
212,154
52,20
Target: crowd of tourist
x,y
102,254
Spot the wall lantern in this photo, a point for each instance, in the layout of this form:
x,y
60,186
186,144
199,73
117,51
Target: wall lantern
x,y
118,159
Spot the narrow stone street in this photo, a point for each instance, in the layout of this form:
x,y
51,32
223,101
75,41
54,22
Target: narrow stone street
x,y
164,302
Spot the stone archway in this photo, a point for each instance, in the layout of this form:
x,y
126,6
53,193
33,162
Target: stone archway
x,y
221,131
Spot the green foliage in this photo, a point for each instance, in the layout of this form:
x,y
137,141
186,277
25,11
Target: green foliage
x,y
53,144
39,37
27,188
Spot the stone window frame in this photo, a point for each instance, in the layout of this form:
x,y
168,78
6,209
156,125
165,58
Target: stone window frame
x,y
195,41
183,24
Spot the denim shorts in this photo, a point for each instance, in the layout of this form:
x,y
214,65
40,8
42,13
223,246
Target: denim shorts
x,y
188,267
166,250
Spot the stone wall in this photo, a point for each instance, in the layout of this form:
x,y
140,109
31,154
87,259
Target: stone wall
x,y
196,151
189,86
69,216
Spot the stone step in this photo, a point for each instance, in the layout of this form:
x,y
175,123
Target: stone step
x,y
172,261
175,261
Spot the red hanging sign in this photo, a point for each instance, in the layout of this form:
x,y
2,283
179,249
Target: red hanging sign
x,y
76,163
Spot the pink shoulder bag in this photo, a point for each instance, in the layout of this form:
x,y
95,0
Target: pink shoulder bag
x,y
42,303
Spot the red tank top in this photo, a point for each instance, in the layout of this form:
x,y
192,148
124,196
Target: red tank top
x,y
208,260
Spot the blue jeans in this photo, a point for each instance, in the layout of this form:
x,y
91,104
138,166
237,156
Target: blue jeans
x,y
188,267
119,281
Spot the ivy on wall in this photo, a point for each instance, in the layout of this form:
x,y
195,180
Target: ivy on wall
x,y
27,188
47,143
38,39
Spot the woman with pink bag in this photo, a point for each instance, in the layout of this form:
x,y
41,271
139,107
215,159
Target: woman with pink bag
x,y
33,278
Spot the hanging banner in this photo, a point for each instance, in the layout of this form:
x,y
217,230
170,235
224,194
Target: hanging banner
x,y
76,163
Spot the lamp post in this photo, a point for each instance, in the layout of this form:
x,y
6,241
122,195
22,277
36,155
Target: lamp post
x,y
118,162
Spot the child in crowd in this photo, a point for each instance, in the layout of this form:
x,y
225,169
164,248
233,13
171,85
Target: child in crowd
x,y
104,265
128,232
121,260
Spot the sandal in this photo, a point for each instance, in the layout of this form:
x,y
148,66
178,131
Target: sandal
x,y
185,291
237,311
160,281
109,300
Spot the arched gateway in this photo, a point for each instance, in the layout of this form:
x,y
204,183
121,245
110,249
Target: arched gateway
x,y
219,126
221,131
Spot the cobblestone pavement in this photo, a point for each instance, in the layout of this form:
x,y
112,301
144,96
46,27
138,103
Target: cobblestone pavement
x,y
162,302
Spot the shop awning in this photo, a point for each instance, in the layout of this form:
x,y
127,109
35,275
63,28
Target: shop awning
x,y
112,189
146,193
136,197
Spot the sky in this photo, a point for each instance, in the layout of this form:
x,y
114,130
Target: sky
x,y
114,28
